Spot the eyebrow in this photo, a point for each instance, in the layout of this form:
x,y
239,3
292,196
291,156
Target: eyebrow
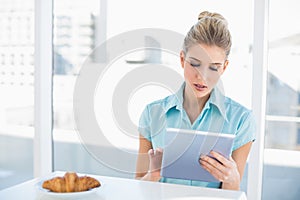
x,y
216,63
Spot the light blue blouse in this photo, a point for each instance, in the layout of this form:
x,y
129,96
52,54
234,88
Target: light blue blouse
x,y
220,114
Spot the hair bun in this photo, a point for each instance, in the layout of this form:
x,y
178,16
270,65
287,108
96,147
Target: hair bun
x,y
206,14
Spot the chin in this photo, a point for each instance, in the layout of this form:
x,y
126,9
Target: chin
x,y
201,94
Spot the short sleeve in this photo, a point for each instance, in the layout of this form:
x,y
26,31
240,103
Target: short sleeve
x,y
246,131
144,124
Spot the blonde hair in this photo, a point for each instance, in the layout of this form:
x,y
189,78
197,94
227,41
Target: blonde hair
x,y
211,29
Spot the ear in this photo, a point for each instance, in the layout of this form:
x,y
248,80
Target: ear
x,y
182,58
225,65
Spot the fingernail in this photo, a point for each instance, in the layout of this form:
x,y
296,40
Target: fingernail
x,y
150,151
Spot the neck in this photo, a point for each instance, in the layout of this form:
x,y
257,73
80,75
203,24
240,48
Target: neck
x,y
192,102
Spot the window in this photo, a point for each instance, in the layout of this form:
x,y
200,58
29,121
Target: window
x,y
73,40
283,113
17,91
281,166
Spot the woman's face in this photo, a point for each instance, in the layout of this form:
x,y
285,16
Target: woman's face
x,y
203,65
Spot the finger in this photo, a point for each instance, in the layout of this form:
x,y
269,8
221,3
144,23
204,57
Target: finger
x,y
222,159
213,162
151,152
217,174
158,151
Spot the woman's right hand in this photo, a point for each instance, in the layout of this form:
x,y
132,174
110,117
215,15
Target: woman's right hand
x,y
155,158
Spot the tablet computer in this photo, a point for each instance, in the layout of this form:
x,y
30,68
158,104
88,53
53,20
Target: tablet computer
x,y
183,149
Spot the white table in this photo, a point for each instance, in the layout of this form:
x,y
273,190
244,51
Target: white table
x,y
119,188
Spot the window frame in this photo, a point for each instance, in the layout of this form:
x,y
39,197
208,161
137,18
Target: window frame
x,y
43,58
259,87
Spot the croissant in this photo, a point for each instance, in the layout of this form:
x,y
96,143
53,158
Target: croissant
x,y
70,182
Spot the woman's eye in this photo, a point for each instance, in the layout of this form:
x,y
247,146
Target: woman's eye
x,y
213,68
195,64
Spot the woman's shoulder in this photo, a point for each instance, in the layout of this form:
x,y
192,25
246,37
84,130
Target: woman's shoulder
x,y
241,121
164,102
234,106
161,101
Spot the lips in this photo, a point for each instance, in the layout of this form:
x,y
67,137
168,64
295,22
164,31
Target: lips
x,y
200,87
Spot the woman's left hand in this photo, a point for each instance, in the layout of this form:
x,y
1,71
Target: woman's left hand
x,y
225,170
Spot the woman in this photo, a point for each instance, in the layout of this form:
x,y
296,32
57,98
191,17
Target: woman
x,y
197,105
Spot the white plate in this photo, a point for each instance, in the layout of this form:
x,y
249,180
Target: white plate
x,y
66,195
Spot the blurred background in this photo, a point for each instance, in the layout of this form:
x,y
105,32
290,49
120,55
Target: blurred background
x,y
80,26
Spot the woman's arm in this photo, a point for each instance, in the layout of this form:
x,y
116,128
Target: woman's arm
x,y
229,171
148,161
239,156
142,164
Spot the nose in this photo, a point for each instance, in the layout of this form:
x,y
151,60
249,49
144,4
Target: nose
x,y
201,73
